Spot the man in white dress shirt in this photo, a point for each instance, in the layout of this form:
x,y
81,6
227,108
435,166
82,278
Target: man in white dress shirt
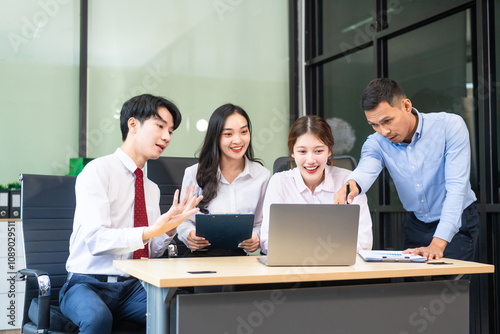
x,y
97,295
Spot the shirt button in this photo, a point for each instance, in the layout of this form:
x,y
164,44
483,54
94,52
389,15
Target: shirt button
x,y
418,185
422,201
426,215
409,147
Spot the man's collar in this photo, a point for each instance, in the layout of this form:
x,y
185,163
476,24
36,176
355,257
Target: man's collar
x,y
418,131
126,160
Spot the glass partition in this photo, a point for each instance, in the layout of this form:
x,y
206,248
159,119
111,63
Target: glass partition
x,y
200,54
435,70
399,12
39,55
345,24
343,83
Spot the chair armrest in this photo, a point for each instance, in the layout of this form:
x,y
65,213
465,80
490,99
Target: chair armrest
x,y
29,272
172,250
44,292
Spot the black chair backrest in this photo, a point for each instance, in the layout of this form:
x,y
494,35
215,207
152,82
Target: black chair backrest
x,y
282,164
167,173
343,161
47,210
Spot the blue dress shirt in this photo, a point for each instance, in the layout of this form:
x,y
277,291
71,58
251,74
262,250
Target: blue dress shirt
x,y
431,173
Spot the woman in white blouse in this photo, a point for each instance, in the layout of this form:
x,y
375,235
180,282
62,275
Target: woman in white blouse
x,y
314,180
228,177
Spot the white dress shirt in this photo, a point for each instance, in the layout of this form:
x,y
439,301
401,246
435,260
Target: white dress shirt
x,y
103,228
244,195
289,187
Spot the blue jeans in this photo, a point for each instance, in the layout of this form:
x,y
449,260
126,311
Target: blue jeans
x,y
94,306
461,247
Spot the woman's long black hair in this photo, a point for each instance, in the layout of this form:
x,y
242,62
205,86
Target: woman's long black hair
x,y
209,158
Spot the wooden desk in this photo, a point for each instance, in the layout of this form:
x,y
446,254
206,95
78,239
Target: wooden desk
x,y
162,277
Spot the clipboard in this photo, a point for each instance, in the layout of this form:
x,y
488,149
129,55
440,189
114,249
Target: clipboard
x,y
224,231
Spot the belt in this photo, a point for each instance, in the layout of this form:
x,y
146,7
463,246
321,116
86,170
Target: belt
x,y
102,278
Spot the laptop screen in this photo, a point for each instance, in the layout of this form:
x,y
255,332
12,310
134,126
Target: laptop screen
x,y
312,234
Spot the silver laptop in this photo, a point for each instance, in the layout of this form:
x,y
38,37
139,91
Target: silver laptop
x,y
312,235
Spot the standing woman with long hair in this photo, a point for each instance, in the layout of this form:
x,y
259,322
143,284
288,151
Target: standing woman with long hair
x,y
228,176
314,180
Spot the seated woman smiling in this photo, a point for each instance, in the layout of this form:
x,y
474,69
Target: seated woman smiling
x,y
229,178
314,180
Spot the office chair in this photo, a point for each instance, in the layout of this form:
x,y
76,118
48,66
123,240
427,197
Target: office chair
x,y
282,164
167,173
47,210
343,161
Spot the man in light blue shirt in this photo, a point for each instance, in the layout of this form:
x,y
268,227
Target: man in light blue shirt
x,y
428,158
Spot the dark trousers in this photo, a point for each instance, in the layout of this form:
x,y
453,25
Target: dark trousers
x,y
461,247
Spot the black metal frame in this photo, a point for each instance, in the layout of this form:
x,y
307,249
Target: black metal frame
x,y
486,104
82,137
485,300
294,68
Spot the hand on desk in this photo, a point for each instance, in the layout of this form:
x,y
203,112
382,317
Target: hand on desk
x,y
250,245
433,251
168,222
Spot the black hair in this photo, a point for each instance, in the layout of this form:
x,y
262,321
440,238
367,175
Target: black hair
x,y
380,90
210,154
144,106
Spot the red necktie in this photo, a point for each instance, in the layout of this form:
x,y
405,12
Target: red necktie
x,y
140,214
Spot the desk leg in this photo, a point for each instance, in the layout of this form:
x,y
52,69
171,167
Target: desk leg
x,y
158,304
